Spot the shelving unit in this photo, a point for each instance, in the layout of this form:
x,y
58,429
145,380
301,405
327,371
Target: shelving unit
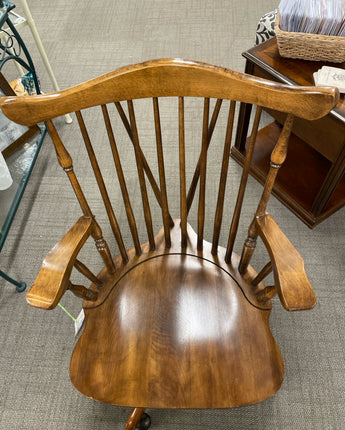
x,y
20,154
311,182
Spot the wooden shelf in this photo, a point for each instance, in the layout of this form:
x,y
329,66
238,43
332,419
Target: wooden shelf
x,y
311,182
299,179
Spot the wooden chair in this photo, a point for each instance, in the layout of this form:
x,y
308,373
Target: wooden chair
x,y
179,321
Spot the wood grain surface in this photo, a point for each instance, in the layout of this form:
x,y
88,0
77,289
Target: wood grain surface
x,y
177,330
172,77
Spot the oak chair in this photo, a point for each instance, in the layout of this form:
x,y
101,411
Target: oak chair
x,y
178,321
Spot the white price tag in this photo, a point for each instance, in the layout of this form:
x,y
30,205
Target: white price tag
x,y
333,76
78,323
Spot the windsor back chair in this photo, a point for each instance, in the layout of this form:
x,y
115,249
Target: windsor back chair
x,y
177,321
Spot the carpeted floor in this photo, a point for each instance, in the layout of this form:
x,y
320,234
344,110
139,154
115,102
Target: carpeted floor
x,y
83,40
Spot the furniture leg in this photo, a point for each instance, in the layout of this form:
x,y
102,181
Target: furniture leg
x,y
20,286
333,178
138,419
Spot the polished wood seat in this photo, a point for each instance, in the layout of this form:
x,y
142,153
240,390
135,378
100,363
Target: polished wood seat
x,y
175,339
174,321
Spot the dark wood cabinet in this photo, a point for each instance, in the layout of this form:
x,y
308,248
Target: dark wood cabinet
x,y
311,182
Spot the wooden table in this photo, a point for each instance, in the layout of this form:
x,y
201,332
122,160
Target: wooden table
x,y
311,182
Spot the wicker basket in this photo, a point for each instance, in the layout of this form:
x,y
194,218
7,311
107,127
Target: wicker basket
x,y
307,46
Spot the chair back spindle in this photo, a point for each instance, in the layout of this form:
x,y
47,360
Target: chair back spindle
x,y
140,168
101,185
194,182
223,178
203,165
242,187
182,170
146,167
162,180
122,182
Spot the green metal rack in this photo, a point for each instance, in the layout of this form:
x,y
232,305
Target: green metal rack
x,y
21,162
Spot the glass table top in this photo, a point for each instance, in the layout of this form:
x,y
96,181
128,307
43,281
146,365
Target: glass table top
x,y
20,165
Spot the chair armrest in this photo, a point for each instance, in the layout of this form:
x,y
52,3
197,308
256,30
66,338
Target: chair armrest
x,y
53,278
291,282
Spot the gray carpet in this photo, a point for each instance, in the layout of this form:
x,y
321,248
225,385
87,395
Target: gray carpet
x,y
83,40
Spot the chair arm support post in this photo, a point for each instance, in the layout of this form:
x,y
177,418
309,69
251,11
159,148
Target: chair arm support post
x,y
53,278
262,275
83,292
66,163
266,294
87,273
291,282
278,157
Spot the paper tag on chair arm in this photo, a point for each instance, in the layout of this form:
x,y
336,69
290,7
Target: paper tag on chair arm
x,y
78,323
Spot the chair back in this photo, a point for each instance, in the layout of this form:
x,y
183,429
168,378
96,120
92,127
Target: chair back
x,y
201,96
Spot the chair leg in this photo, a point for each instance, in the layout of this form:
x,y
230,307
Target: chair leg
x,y
134,418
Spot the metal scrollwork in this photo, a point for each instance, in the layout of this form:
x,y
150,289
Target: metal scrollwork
x,y
9,45
12,46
